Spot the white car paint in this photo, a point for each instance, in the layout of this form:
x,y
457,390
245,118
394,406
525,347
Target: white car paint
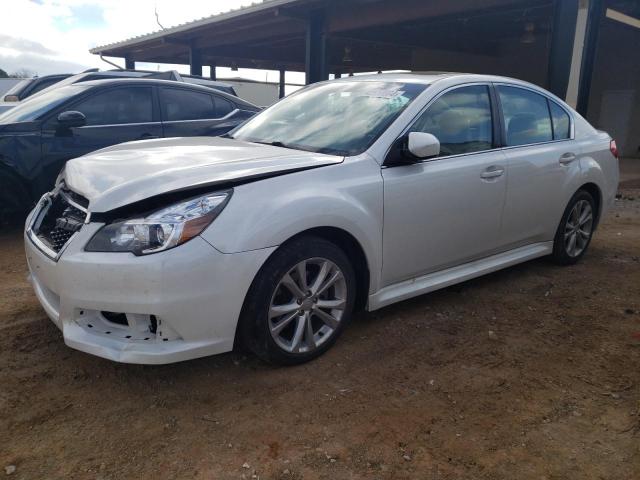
x,y
421,226
132,171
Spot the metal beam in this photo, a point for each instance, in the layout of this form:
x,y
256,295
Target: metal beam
x,y
315,54
129,63
212,71
565,15
596,11
195,61
281,83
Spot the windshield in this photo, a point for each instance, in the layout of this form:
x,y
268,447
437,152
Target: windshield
x,y
34,107
340,118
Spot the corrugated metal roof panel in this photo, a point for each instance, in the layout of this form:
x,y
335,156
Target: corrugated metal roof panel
x,y
218,17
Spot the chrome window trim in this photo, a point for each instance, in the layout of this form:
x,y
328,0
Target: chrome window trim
x,y
511,147
228,115
572,123
119,125
505,147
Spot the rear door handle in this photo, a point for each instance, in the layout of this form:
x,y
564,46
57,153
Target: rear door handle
x,y
567,158
492,172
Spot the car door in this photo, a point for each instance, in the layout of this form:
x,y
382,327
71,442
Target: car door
x,y
114,115
542,159
189,113
447,210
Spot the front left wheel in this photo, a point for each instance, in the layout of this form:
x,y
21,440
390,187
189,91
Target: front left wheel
x,y
299,303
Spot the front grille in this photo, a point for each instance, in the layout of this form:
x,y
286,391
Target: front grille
x,y
60,220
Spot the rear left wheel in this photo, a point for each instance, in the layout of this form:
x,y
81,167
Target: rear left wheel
x,y
299,302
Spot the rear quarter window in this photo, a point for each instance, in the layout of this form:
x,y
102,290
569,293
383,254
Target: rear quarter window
x,y
561,121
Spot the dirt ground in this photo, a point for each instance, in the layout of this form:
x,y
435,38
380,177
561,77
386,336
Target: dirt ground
x,y
529,373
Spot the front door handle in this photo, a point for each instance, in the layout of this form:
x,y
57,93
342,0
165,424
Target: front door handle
x,y
492,172
567,158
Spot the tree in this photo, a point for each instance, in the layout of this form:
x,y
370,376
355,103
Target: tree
x,y
23,73
3,74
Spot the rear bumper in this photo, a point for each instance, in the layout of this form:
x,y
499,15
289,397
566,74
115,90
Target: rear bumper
x,y
194,293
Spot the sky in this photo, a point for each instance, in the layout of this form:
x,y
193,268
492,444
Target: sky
x,y
54,36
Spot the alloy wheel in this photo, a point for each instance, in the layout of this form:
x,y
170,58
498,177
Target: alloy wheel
x,y
578,229
307,305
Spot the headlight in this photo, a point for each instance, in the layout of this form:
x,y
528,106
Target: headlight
x,y
161,230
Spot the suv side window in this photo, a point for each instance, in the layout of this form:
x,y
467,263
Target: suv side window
x,y
526,116
118,106
561,122
178,104
460,119
44,84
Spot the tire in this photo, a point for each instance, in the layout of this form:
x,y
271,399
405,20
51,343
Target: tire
x,y
14,200
578,222
285,327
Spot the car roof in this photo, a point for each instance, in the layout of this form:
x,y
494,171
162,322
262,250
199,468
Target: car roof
x,y
452,78
432,77
167,83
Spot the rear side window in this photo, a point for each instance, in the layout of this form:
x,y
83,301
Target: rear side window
x,y
222,107
118,106
178,104
561,123
526,116
460,119
41,85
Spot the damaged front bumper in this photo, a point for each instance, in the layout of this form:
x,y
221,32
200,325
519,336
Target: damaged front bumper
x,y
162,308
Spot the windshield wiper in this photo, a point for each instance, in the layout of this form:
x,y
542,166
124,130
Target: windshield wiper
x,y
278,143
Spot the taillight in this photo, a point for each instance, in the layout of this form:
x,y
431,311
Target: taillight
x,y
614,148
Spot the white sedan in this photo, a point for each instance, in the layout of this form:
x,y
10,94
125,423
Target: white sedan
x,y
348,194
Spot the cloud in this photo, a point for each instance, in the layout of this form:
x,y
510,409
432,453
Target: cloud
x,y
54,36
38,64
24,45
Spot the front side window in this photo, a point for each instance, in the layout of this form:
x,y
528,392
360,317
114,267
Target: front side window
x,y
118,106
341,118
561,122
40,105
460,120
44,84
526,116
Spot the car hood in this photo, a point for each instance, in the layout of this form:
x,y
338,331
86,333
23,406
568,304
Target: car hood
x,y
131,172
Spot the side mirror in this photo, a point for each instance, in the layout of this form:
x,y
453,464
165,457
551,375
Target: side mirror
x,y
423,145
71,119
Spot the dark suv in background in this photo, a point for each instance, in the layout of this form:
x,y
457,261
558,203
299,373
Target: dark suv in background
x,y
39,135
166,75
29,86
